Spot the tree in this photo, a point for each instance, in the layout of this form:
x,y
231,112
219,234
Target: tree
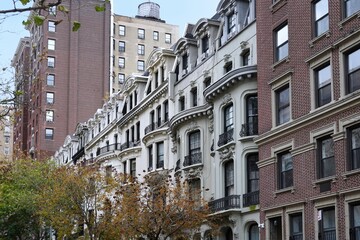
x,y
21,183
158,207
75,201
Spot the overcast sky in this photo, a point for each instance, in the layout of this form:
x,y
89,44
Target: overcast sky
x,y
177,12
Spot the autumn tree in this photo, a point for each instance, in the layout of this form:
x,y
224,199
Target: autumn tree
x,y
75,202
158,207
21,184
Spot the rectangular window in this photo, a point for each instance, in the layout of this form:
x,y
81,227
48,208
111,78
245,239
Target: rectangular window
x,y
150,151
49,115
205,45
158,113
351,7
296,226
228,118
166,111
207,82
133,167
182,103
51,44
167,38
50,80
281,41
51,62
121,62
184,63
160,155
275,228
327,223
156,35
282,105
49,133
50,98
194,142
231,21
354,209
121,77
195,190
121,46
245,58
52,10
251,127
141,33
141,49
321,11
323,85
140,65
194,97
352,66
229,178
122,30
228,67
252,173
353,141
51,26
285,165
326,160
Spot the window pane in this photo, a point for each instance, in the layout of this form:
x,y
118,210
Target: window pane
x,y
286,162
282,35
322,25
353,60
324,76
327,148
356,215
321,9
329,219
351,6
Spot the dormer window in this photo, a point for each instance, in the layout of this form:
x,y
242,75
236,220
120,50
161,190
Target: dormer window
x,y
205,45
231,22
185,63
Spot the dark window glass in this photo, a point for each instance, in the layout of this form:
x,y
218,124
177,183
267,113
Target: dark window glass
x,y
321,10
285,170
354,147
296,226
353,70
228,118
327,224
194,142
275,228
283,105
351,6
281,40
252,173
354,221
326,161
229,178
121,46
323,85
160,154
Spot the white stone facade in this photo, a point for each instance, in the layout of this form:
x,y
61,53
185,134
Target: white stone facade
x,y
194,113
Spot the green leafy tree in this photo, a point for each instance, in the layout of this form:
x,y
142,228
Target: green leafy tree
x,y
21,184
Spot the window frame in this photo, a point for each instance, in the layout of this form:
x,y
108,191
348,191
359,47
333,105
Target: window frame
x,y
49,134
121,62
285,175
141,49
48,97
321,159
349,134
51,26
318,88
285,43
155,35
252,115
51,44
228,115
49,115
122,78
160,155
50,78
321,18
321,229
346,13
278,231
194,139
299,234
121,46
355,70
141,33
122,30
229,181
141,65
252,173
51,62
280,108
168,38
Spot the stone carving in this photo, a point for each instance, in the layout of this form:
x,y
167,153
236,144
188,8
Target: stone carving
x,y
227,153
226,99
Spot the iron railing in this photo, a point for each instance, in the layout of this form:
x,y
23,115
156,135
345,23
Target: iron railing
x,y
251,198
226,137
327,235
192,159
355,233
225,203
249,129
129,145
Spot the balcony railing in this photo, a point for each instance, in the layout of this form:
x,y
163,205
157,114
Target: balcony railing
x,y
110,148
153,126
355,233
129,145
251,198
192,159
226,203
249,129
296,237
226,137
327,235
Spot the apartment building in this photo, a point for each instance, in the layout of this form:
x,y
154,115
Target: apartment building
x,y
134,38
308,92
68,75
21,64
6,134
193,113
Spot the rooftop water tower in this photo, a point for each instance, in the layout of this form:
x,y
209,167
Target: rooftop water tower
x,y
149,10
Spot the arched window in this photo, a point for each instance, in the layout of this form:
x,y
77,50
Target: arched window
x,y
254,232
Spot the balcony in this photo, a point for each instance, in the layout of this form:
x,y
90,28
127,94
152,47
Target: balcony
x,y
327,235
249,129
153,126
226,203
226,137
192,159
110,148
251,198
129,145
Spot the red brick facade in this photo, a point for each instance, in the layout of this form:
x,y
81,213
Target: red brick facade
x,y
308,123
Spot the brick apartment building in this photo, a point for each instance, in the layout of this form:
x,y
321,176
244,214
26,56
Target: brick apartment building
x,y
135,38
309,119
69,75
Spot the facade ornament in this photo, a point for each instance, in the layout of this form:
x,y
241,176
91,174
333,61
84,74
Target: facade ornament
x,y
181,92
227,153
206,73
193,173
226,99
227,58
243,44
192,126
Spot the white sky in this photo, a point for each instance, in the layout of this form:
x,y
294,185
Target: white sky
x,y
177,12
